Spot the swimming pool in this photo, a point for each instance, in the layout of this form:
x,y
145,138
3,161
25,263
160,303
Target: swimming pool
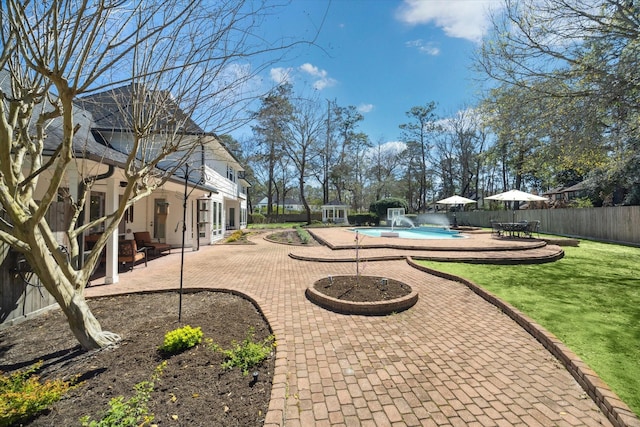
x,y
411,233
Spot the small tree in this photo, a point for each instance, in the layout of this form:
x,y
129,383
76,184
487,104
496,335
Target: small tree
x,y
180,62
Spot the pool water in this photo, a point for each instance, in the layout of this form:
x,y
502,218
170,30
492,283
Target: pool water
x,y
412,233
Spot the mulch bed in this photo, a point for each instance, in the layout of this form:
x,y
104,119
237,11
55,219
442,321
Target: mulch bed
x,y
362,288
193,390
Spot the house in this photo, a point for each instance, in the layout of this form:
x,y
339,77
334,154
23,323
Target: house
x,y
197,204
289,205
563,196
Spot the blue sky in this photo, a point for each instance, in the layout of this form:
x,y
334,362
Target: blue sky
x,y
384,56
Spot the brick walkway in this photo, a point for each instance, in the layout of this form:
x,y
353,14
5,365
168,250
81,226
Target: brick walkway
x,y
452,359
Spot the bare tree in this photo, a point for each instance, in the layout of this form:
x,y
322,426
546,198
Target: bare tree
x,y
302,138
345,123
181,63
418,134
384,163
459,151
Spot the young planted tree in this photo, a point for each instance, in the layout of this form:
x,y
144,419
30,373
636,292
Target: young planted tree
x,y
179,63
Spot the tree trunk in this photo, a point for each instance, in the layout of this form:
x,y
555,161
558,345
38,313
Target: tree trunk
x,y
85,326
69,295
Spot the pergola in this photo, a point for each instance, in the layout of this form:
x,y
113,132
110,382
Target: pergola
x,y
335,212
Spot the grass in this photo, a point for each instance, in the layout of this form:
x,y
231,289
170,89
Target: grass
x,y
590,299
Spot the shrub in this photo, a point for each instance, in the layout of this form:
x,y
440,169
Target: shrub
x,y
247,354
257,218
380,207
581,202
22,395
364,219
304,235
129,413
181,339
235,236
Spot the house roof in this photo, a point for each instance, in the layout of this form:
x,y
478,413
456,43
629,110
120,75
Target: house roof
x,y
336,203
287,201
115,109
87,142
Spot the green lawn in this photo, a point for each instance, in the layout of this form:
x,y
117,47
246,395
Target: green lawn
x,y
590,299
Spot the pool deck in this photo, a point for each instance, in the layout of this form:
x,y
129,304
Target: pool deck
x,y
454,358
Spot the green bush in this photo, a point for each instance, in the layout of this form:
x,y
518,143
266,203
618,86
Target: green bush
x,y
304,235
581,202
364,219
181,339
22,395
133,412
379,207
257,218
247,354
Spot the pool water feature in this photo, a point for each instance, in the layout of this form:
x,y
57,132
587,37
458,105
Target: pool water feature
x,y
411,233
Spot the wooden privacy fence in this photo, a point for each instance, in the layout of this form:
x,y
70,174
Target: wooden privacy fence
x,y
21,294
619,224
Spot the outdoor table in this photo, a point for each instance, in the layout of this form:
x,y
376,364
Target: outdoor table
x,y
513,229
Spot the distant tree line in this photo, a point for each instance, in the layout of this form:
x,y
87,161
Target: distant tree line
x,y
562,108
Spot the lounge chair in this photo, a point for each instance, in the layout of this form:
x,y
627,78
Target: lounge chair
x,y
143,239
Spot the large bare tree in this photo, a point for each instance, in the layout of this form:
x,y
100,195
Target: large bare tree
x,y
418,134
181,62
303,134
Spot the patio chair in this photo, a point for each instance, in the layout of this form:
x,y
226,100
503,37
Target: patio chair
x,y
532,227
128,252
496,229
143,239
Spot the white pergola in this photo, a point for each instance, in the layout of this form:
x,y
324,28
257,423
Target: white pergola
x,y
335,212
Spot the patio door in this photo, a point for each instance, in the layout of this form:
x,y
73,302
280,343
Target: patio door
x,y
160,213
204,221
232,218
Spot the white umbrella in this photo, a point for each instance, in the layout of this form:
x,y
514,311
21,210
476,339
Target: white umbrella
x,y
516,196
455,200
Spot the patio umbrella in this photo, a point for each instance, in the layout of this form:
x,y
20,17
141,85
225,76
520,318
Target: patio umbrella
x,y
516,196
455,200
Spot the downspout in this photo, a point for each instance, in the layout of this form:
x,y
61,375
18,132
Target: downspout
x,y
81,189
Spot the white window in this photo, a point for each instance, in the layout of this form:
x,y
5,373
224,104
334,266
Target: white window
x,y
231,174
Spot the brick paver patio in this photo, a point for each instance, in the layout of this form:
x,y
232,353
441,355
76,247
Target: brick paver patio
x,y
452,359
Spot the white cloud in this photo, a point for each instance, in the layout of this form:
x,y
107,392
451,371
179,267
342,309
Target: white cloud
x,y
365,108
426,48
322,77
466,19
394,146
281,75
